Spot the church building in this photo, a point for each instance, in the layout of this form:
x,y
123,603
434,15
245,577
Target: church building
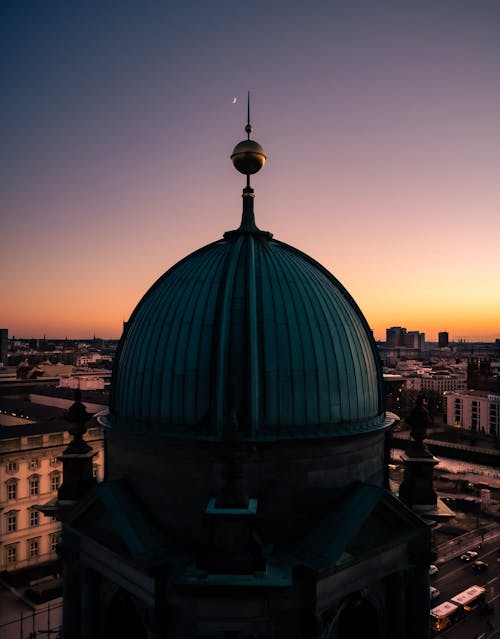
x,y
246,491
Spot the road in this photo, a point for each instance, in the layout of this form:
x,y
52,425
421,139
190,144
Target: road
x,y
455,576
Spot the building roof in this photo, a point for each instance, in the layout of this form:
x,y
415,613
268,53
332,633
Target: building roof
x,y
252,330
366,517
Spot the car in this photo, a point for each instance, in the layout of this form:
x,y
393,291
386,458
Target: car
x,y
434,592
479,566
433,570
469,555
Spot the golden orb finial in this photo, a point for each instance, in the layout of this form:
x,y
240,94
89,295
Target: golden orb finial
x,y
248,156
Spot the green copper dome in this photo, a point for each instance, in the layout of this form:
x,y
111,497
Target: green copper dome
x,y
253,330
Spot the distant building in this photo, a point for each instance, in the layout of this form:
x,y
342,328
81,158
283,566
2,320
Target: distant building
x,y
87,359
436,383
395,336
474,410
4,346
443,339
399,337
482,375
414,339
394,386
84,383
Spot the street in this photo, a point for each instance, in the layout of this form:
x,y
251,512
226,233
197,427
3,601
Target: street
x,y
454,576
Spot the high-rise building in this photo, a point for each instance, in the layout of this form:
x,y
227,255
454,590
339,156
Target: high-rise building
x,y
4,346
414,339
395,336
399,337
443,339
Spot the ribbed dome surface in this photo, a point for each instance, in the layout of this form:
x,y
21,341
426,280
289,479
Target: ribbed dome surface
x,y
247,328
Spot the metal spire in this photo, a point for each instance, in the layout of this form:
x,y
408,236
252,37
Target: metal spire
x,y
248,127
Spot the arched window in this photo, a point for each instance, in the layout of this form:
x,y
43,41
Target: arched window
x,y
34,518
11,486
55,480
34,485
11,521
54,539
33,547
11,557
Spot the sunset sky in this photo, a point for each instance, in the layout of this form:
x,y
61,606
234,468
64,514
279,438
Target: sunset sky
x,y
381,122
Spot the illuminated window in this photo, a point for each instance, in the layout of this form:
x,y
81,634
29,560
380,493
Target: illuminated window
x,y
34,518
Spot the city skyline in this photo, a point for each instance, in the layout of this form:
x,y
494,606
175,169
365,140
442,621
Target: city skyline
x,y
380,124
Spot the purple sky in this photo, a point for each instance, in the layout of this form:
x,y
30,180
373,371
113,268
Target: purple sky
x,y
380,120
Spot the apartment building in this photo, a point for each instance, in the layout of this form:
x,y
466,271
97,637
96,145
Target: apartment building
x,y
30,475
474,410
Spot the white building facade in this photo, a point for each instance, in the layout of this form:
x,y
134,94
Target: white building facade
x,y
30,475
474,410
437,383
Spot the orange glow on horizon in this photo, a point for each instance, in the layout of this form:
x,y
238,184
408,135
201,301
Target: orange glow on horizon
x,y
382,155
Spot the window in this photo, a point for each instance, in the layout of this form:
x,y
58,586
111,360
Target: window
x,y
34,518
55,480
95,471
474,415
33,547
493,419
458,412
11,467
11,521
53,541
34,463
34,481
54,461
12,489
11,554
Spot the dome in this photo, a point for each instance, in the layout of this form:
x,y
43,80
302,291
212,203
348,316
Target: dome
x,y
247,330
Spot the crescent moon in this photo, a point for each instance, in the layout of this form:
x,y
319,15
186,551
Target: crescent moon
x,y
235,100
